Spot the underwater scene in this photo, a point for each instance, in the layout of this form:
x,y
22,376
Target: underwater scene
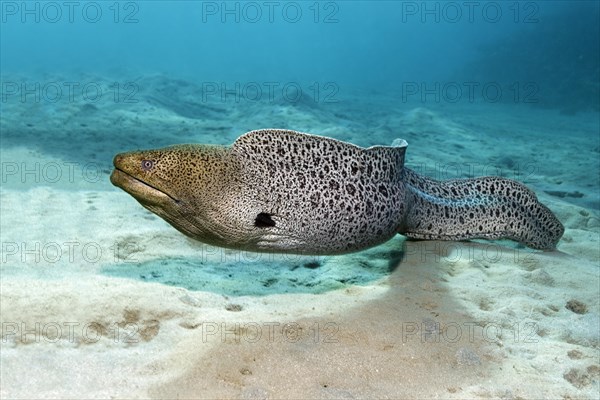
x,y
300,200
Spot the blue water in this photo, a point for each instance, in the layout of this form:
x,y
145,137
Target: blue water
x,y
354,43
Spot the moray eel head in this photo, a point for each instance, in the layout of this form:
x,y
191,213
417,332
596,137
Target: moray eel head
x,y
145,176
172,182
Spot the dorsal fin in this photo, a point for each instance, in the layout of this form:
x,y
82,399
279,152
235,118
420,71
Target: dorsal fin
x,y
269,136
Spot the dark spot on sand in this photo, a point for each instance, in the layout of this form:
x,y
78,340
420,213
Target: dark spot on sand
x,y
562,194
578,378
312,265
269,282
575,354
233,307
576,306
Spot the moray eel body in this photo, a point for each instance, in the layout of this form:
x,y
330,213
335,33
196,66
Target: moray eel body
x,y
290,192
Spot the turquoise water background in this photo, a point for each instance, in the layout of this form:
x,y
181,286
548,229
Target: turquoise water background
x,y
385,45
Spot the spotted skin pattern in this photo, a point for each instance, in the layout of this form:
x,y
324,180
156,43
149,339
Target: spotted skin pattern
x,y
325,196
485,208
291,192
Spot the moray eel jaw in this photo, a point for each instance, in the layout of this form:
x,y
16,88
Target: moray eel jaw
x,y
141,191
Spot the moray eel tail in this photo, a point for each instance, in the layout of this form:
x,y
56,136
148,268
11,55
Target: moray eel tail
x,y
483,208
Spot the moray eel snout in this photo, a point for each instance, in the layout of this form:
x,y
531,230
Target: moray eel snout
x,y
132,174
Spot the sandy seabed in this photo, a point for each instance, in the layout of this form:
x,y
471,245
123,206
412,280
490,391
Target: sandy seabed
x,y
101,299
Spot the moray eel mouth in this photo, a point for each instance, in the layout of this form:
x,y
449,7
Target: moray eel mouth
x,y
140,190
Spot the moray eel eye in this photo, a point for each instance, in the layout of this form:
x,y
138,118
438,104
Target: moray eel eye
x,y
147,165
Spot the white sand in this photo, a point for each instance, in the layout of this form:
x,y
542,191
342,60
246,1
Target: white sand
x,y
451,320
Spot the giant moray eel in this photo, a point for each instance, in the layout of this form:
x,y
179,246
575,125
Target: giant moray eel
x,y
291,192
